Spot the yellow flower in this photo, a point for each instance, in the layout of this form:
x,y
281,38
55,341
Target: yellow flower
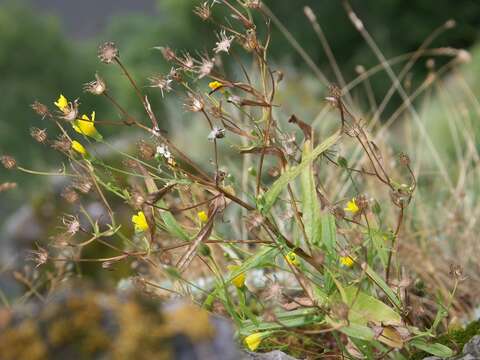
x,y
62,103
140,222
214,85
352,206
78,147
253,341
239,280
202,216
292,259
86,126
346,261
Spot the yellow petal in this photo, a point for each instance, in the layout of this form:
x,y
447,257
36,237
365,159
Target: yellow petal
x,y
140,222
239,280
61,103
78,147
346,261
253,341
292,259
352,206
215,85
202,216
84,127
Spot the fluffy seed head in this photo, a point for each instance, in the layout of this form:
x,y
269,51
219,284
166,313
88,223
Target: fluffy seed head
x,y
108,52
39,135
8,162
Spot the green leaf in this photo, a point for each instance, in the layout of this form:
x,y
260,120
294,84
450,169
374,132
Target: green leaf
x,y
289,319
329,233
434,349
272,194
310,203
172,226
261,258
382,285
365,308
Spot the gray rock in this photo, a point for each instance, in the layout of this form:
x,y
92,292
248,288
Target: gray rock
x,y
471,351
272,355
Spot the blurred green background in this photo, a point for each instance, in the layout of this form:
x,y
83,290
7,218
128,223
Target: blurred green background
x,y
49,46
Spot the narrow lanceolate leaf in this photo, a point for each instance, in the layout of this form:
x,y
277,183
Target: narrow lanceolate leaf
x,y
382,285
310,204
192,250
436,349
278,186
329,233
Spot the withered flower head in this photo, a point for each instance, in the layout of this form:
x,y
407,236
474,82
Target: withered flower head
x,y
71,223
70,195
40,109
147,151
39,256
161,82
7,186
253,4
40,135
194,103
167,52
202,11
174,74
68,110
404,159
62,144
108,52
83,185
224,42
8,162
186,61
216,133
96,87
206,66
251,41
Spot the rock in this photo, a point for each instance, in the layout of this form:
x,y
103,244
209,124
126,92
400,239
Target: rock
x,y
89,324
272,355
471,351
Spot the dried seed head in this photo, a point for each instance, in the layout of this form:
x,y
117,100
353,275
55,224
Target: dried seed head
x,y
194,103
71,223
404,159
253,4
39,135
70,195
167,52
108,52
362,203
62,144
39,256
8,162
224,42
96,87
456,272
175,75
251,42
40,109
161,82
186,62
137,200
70,112
205,67
7,186
84,185
216,133
203,11
147,151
